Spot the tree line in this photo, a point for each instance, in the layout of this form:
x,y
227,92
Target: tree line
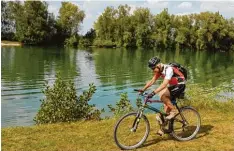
x,y
31,23
207,30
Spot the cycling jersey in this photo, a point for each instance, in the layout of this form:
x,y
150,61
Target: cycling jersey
x,y
172,74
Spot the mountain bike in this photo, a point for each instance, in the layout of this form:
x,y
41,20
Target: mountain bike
x,y
132,129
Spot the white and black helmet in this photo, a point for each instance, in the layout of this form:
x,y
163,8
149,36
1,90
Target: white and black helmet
x,y
153,62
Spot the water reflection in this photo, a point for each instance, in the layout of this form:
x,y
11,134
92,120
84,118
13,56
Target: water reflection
x,y
113,71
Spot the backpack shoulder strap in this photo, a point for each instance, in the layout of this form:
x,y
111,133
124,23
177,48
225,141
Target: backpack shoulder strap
x,y
178,72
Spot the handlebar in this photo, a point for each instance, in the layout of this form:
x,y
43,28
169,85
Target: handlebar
x,y
142,94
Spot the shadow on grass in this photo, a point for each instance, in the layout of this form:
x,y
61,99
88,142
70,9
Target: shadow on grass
x,y
204,130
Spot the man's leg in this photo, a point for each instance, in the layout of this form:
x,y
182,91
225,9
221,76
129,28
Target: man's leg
x,y
168,106
165,97
166,109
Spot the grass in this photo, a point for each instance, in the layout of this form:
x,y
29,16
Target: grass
x,y
216,133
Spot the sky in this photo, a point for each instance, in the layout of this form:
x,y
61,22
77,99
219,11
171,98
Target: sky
x,y
94,8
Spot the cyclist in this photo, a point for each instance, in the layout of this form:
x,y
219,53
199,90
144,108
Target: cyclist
x,y
172,86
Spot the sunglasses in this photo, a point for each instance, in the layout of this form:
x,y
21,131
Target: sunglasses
x,y
152,68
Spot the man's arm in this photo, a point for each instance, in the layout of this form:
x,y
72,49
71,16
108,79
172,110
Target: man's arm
x,y
162,86
151,82
168,76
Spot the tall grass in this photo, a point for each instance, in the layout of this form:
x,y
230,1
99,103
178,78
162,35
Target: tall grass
x,y
206,97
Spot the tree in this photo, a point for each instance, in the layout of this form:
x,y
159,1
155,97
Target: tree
x,y
143,21
30,20
123,25
163,29
105,27
105,24
184,28
69,19
7,27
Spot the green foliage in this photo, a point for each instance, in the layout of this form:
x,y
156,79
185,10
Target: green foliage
x,y
139,102
142,29
71,42
30,21
206,97
69,20
116,27
7,23
33,24
61,104
123,106
88,38
104,43
83,42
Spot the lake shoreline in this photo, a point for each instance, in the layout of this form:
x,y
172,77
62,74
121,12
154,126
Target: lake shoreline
x,y
10,43
25,70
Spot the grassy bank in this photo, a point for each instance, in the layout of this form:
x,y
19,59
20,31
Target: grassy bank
x,y
216,133
10,43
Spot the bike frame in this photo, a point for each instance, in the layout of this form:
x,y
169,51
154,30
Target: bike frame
x,y
141,110
146,101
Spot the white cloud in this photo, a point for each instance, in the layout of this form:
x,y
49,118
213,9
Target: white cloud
x,y
152,4
223,6
185,5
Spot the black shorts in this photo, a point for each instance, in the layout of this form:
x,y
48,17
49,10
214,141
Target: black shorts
x,y
176,90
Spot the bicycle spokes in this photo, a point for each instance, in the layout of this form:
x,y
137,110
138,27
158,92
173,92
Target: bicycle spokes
x,y
131,131
186,124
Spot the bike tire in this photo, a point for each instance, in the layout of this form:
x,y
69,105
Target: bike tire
x,y
194,129
146,133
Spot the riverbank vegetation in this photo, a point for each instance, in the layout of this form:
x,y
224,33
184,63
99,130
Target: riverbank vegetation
x,y
204,31
62,104
216,128
31,23
74,131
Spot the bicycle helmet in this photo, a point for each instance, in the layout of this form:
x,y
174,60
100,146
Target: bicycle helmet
x,y
153,62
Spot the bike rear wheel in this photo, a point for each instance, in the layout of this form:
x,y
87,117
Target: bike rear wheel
x,y
124,134
186,125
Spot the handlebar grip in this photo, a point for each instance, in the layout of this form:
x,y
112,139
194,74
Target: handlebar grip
x,y
137,90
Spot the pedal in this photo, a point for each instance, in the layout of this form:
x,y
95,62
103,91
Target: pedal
x,y
160,133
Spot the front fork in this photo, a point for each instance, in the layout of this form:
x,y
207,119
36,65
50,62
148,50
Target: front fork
x,y
137,119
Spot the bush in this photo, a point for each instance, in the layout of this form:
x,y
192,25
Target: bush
x,y
83,42
123,106
104,43
71,42
61,104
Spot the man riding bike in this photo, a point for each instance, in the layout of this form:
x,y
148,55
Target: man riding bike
x,y
172,86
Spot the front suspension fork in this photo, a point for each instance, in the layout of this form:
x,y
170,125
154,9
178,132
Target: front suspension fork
x,y
137,119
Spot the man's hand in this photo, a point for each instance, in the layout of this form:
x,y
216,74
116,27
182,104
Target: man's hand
x,y
151,94
140,92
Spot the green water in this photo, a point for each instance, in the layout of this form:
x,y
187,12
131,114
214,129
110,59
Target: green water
x,y
25,70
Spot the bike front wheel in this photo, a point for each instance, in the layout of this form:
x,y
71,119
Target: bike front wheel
x,y
131,131
186,125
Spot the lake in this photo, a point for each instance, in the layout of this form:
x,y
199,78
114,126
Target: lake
x,y
24,71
